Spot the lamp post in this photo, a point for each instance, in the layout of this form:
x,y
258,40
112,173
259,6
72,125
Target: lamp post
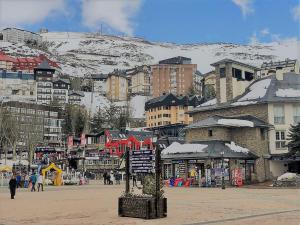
x,y
223,181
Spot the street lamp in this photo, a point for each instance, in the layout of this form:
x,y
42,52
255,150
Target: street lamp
x,y
223,180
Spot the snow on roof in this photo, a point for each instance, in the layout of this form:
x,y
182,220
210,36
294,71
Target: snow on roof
x,y
243,103
209,102
257,90
176,147
237,148
236,122
290,93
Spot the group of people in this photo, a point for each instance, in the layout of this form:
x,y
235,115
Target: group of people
x,y
110,177
17,182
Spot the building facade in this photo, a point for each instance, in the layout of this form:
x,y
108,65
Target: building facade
x,y
169,109
16,35
117,86
174,75
272,100
139,80
60,91
99,83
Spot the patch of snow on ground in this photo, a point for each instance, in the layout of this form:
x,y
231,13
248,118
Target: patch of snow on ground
x,y
257,90
137,104
243,103
209,102
176,147
236,148
289,93
236,122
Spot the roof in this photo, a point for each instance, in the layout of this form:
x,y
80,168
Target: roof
x,y
79,93
176,60
99,76
207,150
139,135
6,58
172,100
66,81
116,72
262,91
274,65
229,121
235,62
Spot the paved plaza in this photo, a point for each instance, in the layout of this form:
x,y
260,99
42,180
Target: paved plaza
x,y
96,204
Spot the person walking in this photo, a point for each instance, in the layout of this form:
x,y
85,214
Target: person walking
x,y
105,177
40,182
12,187
33,181
134,180
18,179
26,181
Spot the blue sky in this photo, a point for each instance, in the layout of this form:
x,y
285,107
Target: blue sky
x,y
179,21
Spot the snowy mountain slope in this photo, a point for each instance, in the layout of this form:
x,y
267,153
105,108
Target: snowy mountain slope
x,y
83,53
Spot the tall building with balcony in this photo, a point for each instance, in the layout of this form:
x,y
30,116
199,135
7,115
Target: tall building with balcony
x,y
16,35
174,75
60,91
169,109
44,76
139,80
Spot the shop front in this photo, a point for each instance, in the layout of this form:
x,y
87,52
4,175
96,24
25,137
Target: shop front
x,y
205,168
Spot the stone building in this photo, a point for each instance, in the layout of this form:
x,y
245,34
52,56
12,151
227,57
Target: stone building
x,y
174,75
274,100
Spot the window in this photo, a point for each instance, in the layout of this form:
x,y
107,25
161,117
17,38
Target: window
x,y
278,114
296,114
210,133
249,76
222,72
237,74
280,139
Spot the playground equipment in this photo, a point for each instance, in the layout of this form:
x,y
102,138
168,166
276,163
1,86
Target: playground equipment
x,y
58,176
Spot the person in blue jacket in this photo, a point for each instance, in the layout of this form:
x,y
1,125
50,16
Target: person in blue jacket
x,y
33,181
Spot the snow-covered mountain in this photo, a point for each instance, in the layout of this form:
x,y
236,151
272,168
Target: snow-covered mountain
x,y
83,53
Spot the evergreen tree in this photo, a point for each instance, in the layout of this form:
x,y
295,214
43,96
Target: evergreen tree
x,y
294,137
80,122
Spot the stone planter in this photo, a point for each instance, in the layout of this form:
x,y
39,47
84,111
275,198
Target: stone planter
x,y
142,207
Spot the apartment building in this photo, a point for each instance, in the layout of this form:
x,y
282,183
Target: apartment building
x,y
16,35
36,123
139,80
60,91
17,84
74,97
209,84
43,75
169,109
275,100
279,68
174,75
117,86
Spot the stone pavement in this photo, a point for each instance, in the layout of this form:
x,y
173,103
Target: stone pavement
x,y
97,204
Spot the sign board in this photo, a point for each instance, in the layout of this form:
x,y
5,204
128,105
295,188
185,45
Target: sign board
x,y
141,161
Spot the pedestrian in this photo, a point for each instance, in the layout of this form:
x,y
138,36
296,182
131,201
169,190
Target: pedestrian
x,y
12,187
26,181
33,181
108,181
105,177
40,182
18,179
134,180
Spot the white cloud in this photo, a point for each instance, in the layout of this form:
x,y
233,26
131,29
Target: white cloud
x,y
296,13
265,32
117,14
245,5
20,12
